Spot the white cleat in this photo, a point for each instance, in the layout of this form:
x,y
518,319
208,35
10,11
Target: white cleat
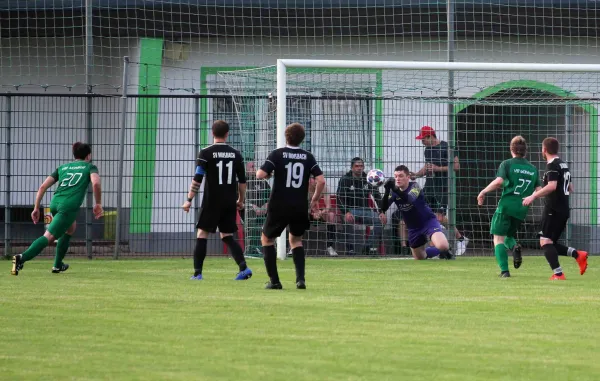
x,y
461,246
331,251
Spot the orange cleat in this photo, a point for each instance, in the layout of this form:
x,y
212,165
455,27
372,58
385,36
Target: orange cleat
x,y
582,257
558,277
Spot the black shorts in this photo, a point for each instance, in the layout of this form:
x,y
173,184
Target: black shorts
x,y
277,221
437,202
215,217
553,224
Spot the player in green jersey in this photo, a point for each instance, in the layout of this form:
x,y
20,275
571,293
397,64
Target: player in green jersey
x,y
73,179
518,179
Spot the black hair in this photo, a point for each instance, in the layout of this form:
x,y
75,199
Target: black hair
x,y
81,150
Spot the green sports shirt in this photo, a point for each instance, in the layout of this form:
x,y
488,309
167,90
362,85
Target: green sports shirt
x,y
73,179
520,180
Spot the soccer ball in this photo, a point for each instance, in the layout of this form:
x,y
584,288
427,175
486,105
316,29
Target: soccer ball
x,y
376,178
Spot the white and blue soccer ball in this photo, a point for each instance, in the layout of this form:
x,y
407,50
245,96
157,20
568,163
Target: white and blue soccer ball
x,y
376,177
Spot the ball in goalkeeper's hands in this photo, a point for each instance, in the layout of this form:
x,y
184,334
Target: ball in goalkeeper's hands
x,y
375,177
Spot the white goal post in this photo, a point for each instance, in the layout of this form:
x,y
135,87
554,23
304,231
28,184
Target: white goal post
x,y
284,64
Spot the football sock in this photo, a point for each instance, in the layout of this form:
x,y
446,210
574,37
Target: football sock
x,y
501,257
199,255
432,252
330,234
298,255
551,255
61,250
566,251
36,247
510,243
270,258
236,251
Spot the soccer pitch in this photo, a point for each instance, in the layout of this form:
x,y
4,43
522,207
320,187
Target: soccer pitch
x,y
358,320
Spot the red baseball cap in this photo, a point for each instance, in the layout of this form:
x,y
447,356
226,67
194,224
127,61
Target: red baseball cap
x,y
425,132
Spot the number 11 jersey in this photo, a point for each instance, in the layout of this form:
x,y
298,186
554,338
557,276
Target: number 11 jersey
x,y
223,168
292,167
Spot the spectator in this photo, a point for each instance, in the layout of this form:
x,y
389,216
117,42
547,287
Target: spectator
x,y
353,195
323,212
436,185
257,196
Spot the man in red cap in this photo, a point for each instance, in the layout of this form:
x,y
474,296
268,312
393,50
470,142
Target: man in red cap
x,y
436,184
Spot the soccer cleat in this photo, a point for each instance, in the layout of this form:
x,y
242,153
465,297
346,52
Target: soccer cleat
x,y
447,255
517,256
300,285
331,251
17,265
273,286
461,246
64,267
558,277
196,277
244,275
582,257
504,274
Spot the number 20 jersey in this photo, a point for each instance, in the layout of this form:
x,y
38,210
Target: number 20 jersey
x,y
520,180
558,201
72,179
292,168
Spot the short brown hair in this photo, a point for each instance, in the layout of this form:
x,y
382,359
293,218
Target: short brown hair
x,y
220,128
551,145
518,146
294,134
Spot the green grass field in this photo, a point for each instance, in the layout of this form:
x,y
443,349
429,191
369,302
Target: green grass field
x,y
358,320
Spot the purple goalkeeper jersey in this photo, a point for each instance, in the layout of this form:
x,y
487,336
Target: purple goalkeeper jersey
x,y
411,203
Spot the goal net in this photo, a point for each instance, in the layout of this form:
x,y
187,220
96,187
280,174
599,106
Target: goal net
x,y
376,110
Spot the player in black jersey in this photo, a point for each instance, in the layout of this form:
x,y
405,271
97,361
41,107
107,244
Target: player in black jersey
x,y
292,167
224,194
557,187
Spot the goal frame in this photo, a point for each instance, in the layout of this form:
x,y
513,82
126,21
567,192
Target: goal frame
x,y
284,64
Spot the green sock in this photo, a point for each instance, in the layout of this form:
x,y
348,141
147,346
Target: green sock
x,y
36,247
510,243
501,257
61,250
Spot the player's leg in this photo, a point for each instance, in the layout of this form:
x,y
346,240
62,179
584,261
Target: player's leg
x,y
274,225
440,206
299,223
349,232
417,242
369,217
440,243
330,221
548,235
560,224
227,227
419,253
62,245
499,228
200,253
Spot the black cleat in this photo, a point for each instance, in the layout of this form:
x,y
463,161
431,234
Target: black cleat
x,y
300,285
504,274
17,265
273,286
64,267
517,256
447,255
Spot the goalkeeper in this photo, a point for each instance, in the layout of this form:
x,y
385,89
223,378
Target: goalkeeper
x,y
518,179
422,224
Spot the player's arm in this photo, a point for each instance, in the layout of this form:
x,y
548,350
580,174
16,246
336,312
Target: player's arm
x,y
320,182
541,192
266,170
196,182
385,201
97,190
455,166
420,173
50,180
241,176
493,186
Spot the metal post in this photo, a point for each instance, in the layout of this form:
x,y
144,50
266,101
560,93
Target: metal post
x,y
123,123
281,119
451,212
196,149
89,121
568,159
7,209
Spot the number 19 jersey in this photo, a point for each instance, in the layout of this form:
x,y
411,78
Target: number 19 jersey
x,y
520,180
73,179
292,167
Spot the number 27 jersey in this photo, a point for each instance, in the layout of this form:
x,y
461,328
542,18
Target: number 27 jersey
x,y
292,168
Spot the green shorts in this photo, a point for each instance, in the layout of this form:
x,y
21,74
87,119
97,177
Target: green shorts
x,y
504,225
62,219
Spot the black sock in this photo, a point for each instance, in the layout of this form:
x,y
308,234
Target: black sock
x,y
236,251
551,255
270,258
199,255
330,235
298,255
564,250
